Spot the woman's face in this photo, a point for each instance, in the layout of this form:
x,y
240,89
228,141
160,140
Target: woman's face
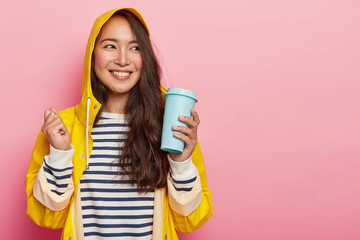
x,y
118,60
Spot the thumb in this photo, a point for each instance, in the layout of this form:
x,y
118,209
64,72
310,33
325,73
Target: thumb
x,y
46,114
52,109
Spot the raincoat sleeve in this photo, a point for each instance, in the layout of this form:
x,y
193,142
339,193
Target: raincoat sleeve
x,y
53,215
183,175
191,209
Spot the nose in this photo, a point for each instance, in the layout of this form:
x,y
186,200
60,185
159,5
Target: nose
x,y
122,59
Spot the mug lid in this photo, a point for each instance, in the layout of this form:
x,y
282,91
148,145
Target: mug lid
x,y
181,91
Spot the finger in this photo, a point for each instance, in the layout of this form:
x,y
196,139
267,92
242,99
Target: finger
x,y
49,116
195,116
52,109
190,143
55,131
62,128
54,125
49,125
185,130
183,137
46,114
189,121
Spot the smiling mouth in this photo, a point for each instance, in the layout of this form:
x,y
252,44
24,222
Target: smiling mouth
x,y
121,74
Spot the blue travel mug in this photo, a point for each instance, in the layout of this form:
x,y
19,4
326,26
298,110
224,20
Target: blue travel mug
x,y
178,102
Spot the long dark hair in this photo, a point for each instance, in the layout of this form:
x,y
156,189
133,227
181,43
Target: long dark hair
x,y
142,159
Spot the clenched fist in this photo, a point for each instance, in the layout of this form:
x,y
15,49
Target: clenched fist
x,y
55,130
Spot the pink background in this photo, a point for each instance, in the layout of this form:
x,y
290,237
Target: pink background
x,y
278,86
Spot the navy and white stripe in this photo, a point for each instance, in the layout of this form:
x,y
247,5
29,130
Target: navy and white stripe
x,y
183,185
111,205
58,178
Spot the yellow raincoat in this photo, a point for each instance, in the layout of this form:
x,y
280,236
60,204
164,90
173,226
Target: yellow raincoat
x,y
172,211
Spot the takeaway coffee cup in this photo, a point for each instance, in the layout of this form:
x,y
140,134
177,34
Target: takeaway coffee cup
x,y
178,102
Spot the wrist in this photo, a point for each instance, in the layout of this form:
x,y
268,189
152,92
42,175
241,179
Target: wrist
x,y
182,170
65,147
176,157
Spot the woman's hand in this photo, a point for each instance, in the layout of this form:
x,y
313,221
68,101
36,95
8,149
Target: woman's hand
x,y
55,130
189,136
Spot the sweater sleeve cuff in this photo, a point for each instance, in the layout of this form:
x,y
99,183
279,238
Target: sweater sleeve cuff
x,y
182,170
60,159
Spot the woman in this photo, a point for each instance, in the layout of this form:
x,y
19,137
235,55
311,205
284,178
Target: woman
x,y
97,170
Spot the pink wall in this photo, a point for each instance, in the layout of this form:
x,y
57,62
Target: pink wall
x,y
278,83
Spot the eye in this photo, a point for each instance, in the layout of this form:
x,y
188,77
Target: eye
x,y
110,46
135,48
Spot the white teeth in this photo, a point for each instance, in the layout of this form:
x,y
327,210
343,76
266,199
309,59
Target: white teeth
x,y
121,74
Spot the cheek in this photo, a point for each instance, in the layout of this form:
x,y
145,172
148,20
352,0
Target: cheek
x,y
100,61
138,62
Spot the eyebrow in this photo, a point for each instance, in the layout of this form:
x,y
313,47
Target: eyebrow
x,y
115,40
109,39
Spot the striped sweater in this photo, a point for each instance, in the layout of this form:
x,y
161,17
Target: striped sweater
x,y
111,206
